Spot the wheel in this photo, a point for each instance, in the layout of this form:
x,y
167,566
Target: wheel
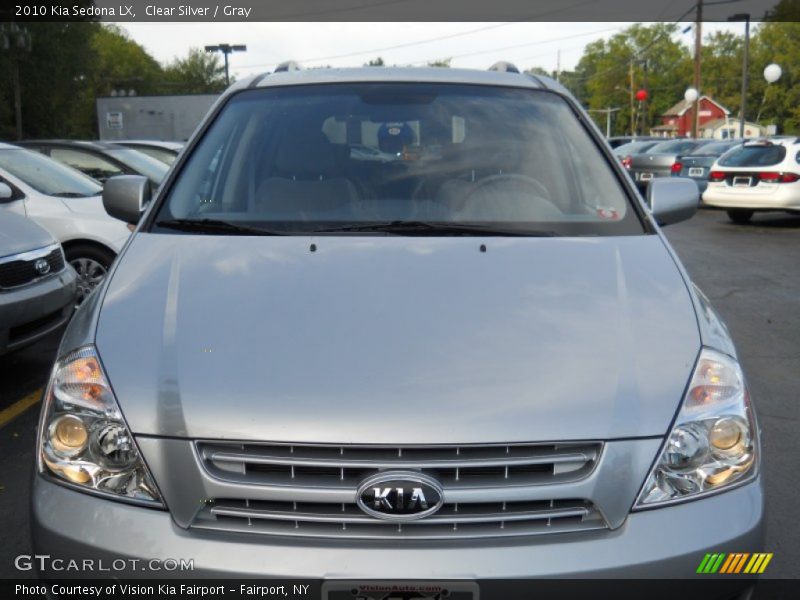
x,y
91,263
740,216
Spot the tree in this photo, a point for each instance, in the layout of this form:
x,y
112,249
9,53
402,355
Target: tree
x,y
445,62
602,77
777,103
375,62
198,73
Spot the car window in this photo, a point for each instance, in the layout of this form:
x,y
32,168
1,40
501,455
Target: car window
x,y
46,175
95,166
633,148
148,166
305,158
762,155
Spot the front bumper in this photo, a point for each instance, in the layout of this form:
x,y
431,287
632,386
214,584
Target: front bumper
x,y
662,543
30,312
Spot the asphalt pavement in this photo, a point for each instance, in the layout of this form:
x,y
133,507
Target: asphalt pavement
x,y
750,272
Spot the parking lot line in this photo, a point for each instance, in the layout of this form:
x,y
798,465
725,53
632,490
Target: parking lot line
x,y
20,406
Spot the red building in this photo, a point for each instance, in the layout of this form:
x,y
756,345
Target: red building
x,y
677,121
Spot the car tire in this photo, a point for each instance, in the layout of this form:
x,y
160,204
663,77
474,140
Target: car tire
x,y
91,264
740,216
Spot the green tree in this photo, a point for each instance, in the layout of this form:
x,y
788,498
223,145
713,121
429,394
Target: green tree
x,y
602,77
198,73
777,103
375,62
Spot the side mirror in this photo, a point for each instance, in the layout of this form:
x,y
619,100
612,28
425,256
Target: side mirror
x,y
672,199
126,196
6,193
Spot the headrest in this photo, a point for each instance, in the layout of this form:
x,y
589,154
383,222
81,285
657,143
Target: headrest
x,y
307,154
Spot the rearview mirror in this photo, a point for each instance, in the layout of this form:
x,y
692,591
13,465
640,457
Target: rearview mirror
x,y
126,196
672,199
6,193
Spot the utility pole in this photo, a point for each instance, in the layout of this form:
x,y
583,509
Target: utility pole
x,y
226,49
630,93
746,18
698,45
558,66
607,112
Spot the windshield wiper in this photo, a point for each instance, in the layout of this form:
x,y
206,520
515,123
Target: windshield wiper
x,y
71,195
433,228
216,226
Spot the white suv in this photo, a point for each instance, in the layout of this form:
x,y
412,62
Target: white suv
x,y
763,175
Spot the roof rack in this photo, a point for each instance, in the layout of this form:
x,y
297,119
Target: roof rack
x,y
504,67
288,65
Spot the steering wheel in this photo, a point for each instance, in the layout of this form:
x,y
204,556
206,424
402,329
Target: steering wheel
x,y
541,191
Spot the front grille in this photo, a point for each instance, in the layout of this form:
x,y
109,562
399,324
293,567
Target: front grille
x,y
21,270
313,489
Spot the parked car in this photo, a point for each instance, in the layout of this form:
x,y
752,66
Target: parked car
x,y
100,160
471,347
762,175
165,152
625,152
37,286
658,160
69,205
619,140
697,164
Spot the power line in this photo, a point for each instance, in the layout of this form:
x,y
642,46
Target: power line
x,y
514,46
395,47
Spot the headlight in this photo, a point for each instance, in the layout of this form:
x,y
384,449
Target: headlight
x,y
83,439
713,444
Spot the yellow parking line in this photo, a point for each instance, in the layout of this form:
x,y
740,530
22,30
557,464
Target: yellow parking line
x,y
20,406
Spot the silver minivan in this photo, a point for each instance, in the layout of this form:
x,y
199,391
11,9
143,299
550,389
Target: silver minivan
x,y
399,324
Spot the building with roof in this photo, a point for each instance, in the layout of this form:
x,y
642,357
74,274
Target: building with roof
x,y
677,120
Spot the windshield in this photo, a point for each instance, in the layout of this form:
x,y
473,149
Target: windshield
x,y
148,166
340,157
673,147
713,149
46,175
160,154
633,148
754,156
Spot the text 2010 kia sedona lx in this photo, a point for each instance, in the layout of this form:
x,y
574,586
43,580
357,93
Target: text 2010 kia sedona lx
x,y
399,324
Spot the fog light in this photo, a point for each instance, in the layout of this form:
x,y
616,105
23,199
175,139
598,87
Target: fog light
x,y
68,435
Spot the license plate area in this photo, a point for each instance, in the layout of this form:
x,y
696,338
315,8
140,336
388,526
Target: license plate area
x,y
742,181
399,590
645,176
696,171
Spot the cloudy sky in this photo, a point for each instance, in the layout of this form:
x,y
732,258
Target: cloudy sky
x,y
472,45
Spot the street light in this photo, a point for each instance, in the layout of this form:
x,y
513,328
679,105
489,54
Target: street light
x,y
226,49
746,18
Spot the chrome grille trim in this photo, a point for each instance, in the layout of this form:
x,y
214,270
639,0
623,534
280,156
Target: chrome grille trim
x,y
453,521
310,490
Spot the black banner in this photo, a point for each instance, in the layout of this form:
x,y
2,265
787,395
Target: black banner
x,y
395,10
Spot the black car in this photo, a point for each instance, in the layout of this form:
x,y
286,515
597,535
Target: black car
x,y
100,160
697,164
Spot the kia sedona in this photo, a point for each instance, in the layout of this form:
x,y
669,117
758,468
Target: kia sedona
x,y
37,286
399,324
759,176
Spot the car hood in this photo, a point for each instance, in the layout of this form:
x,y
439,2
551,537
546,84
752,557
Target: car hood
x,y
397,340
20,234
90,204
